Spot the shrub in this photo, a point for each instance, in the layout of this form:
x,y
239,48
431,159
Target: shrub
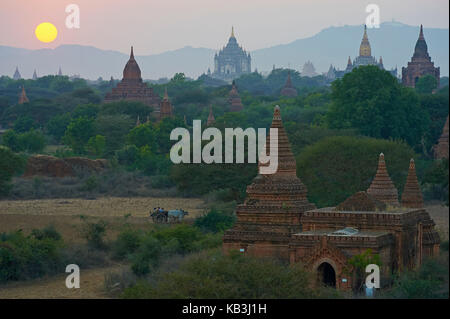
x,y
214,221
127,242
25,257
94,233
213,275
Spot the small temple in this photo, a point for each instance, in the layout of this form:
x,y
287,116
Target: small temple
x,y
441,148
420,64
288,90
16,75
277,220
132,88
211,120
234,99
35,77
60,72
23,96
166,108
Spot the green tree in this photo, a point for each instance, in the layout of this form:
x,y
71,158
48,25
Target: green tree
x,y
78,133
372,101
115,129
57,125
142,135
96,145
336,167
10,164
23,124
426,84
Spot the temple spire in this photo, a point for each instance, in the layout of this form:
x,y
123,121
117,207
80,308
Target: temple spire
x,y
421,37
166,96
131,53
211,119
364,49
382,188
412,196
232,32
23,96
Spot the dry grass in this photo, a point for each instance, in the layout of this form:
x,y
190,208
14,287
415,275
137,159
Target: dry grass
x,y
64,214
91,286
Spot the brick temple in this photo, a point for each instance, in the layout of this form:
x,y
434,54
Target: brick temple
x,y
420,64
132,88
441,148
234,99
276,220
288,90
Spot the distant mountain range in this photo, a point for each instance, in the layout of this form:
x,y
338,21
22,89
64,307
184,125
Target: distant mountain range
x,y
393,41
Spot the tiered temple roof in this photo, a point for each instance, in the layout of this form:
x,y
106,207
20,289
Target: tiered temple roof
x,y
412,196
23,96
288,89
420,64
234,99
382,187
17,75
132,87
441,149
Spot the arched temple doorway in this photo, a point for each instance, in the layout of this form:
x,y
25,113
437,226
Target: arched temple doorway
x,y
326,274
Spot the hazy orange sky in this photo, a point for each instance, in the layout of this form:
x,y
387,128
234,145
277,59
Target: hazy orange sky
x,y
154,26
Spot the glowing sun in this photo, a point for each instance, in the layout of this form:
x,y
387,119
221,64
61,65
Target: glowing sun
x,y
46,32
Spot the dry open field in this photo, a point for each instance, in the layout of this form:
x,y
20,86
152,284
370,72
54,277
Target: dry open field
x,y
64,214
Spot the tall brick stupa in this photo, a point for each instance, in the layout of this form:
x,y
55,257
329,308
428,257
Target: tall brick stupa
x,y
272,209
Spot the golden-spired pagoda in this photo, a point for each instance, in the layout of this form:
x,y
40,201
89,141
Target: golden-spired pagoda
x,y
273,207
288,89
23,96
441,149
382,187
234,99
412,195
132,88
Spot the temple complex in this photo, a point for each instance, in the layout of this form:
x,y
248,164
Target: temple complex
x,y
441,149
308,69
17,75
23,96
288,90
232,61
234,99
382,188
132,88
276,220
420,64
364,58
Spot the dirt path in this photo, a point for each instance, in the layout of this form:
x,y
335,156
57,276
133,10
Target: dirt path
x,y
91,286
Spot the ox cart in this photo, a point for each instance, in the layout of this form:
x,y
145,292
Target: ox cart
x,y
160,216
